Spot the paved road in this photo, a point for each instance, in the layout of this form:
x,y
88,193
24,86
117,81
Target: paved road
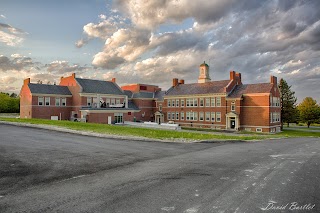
x,y
46,171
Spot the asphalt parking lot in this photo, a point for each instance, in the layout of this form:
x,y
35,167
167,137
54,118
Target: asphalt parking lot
x,y
49,171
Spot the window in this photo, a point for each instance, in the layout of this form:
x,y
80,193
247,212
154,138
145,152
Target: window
x,y
177,103
107,101
173,117
173,103
169,103
143,87
47,100
201,102
187,116
63,102
57,102
195,116
112,101
160,107
233,107
201,116
117,101
195,102
258,130
207,116
182,116
182,102
218,116
218,103
89,101
213,101
207,102
177,115
169,115
118,117
188,102
40,101
212,116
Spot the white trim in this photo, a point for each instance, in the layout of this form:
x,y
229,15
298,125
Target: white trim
x,y
94,95
50,95
247,126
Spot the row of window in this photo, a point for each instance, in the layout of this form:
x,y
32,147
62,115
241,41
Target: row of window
x,y
195,102
45,101
274,101
274,117
108,101
195,116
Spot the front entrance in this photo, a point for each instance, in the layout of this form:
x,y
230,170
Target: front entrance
x,y
109,120
232,123
158,117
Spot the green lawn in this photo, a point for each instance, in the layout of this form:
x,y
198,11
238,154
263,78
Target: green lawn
x,y
134,131
159,134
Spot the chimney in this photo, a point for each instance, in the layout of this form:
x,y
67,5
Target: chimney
x,y
273,80
113,80
175,82
181,81
232,75
73,75
238,75
26,81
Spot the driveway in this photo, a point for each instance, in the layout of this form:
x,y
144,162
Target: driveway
x,y
48,171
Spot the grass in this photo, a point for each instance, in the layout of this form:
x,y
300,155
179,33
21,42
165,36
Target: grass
x,y
134,131
161,134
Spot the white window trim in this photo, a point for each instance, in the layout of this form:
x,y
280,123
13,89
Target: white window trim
x,y
40,101
59,102
45,101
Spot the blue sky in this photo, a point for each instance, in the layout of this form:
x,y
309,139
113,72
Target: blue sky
x,y
139,41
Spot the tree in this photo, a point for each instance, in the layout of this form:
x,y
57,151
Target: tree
x,y
288,101
9,104
309,111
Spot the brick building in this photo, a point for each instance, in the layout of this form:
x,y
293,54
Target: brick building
x,y
226,104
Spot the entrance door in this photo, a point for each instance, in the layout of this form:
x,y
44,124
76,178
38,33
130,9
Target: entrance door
x,y
159,119
109,120
232,123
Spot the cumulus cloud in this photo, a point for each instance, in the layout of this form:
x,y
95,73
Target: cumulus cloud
x,y
257,38
10,36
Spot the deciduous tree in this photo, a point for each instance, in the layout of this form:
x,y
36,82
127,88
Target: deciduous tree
x,y
309,111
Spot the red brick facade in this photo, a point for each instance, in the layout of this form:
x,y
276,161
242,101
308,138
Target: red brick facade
x,y
226,104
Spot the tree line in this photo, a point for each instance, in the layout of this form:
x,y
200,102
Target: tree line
x,y
9,103
308,111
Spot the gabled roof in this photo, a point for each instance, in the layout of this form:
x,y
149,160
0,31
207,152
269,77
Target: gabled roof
x,y
100,87
250,88
48,89
198,88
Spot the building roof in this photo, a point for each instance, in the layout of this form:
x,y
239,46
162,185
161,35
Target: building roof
x,y
204,64
250,88
100,87
49,89
143,95
128,93
159,95
198,88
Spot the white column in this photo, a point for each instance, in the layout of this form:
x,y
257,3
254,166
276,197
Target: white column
x,y
98,101
126,101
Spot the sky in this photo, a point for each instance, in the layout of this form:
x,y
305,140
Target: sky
x,y
153,41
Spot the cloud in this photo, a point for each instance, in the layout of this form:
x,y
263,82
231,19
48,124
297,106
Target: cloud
x,y
11,36
3,16
80,43
158,40
8,79
16,62
63,67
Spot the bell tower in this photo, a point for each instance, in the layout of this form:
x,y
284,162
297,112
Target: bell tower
x,y
204,73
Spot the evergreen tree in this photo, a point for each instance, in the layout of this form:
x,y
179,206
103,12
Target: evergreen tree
x,y
309,111
288,101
